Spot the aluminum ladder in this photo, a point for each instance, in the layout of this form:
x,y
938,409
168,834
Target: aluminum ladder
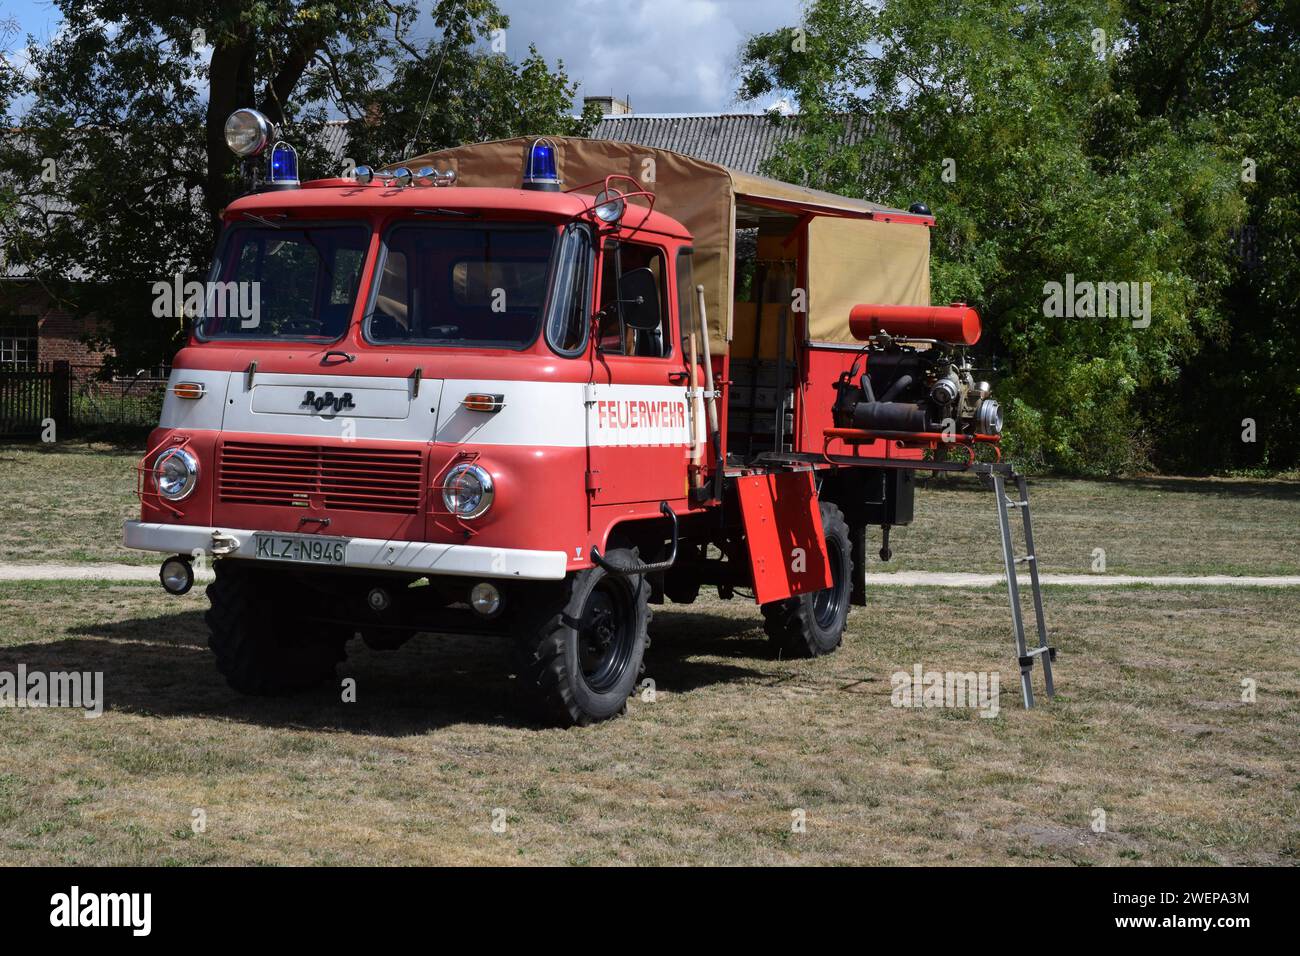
x,y
1044,652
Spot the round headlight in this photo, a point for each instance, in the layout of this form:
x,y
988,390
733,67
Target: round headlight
x,y
248,132
177,575
176,472
467,492
485,598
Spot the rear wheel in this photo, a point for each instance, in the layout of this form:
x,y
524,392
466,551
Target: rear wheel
x,y
810,625
262,644
581,650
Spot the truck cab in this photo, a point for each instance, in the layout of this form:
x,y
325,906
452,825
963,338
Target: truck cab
x,y
394,383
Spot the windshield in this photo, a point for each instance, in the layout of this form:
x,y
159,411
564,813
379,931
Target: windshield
x,y
284,283
473,286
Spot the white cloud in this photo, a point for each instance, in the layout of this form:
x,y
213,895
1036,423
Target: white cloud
x,y
668,56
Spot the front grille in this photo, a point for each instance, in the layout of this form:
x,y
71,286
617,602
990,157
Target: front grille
x,y
352,479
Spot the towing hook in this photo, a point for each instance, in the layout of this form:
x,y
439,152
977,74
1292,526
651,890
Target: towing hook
x,y
640,567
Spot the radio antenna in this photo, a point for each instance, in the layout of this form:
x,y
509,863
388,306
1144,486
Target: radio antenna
x,y
442,56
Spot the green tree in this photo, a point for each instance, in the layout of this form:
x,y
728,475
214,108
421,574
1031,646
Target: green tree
x,y
10,84
120,169
1227,73
1008,121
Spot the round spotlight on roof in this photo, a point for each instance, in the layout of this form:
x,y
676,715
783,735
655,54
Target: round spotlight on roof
x,y
364,175
402,176
610,206
248,132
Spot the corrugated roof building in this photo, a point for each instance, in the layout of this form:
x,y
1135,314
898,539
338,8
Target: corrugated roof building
x,y
743,141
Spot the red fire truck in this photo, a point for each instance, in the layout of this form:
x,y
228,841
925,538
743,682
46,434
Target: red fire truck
x,y
532,387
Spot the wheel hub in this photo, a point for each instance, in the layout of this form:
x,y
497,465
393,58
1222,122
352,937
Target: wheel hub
x,y
606,636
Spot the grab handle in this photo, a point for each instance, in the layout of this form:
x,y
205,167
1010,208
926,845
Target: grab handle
x,y
639,567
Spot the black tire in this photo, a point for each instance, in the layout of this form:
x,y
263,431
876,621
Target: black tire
x,y
581,648
262,646
810,625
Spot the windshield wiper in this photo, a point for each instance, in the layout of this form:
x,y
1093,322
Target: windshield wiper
x,y
263,221
447,212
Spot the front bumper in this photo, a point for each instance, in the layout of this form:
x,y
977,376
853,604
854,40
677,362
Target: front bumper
x,y
374,554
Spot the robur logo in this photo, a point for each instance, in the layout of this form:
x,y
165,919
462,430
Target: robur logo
x,y
75,909
328,400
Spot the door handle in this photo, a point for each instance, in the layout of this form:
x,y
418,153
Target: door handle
x,y
679,378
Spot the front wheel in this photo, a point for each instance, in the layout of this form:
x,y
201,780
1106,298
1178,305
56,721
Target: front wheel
x,y
810,625
262,644
581,650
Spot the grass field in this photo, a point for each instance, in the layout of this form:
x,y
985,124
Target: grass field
x,y
67,503
1149,726
1144,525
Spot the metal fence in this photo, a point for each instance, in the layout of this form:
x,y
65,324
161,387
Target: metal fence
x,y
31,398
122,400
77,398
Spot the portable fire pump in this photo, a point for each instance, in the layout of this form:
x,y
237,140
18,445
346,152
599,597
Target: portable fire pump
x,y
461,396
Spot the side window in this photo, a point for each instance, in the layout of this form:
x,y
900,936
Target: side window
x,y
685,295
615,337
570,315
611,340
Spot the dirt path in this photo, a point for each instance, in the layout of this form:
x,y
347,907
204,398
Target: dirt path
x,y
906,579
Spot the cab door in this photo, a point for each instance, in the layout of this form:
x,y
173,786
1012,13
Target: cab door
x,y
638,421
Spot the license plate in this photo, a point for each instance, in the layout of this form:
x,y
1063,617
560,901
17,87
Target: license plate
x,y
300,548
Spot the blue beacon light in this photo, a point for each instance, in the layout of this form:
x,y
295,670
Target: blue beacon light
x,y
540,173
283,166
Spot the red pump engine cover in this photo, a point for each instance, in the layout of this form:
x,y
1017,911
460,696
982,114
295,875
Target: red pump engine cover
x,y
957,323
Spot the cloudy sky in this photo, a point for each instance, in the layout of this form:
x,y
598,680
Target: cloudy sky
x,y
669,56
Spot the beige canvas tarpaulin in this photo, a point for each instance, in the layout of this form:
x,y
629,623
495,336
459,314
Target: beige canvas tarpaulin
x,y
853,261
852,258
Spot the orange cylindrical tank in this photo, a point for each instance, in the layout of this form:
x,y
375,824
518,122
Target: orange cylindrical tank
x,y
957,323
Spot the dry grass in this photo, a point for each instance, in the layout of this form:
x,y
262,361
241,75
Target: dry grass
x,y
66,502
1145,526
1149,726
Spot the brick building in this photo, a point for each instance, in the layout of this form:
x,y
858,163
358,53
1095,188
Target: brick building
x,y
35,330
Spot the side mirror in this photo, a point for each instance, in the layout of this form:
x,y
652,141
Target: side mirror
x,y
638,291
